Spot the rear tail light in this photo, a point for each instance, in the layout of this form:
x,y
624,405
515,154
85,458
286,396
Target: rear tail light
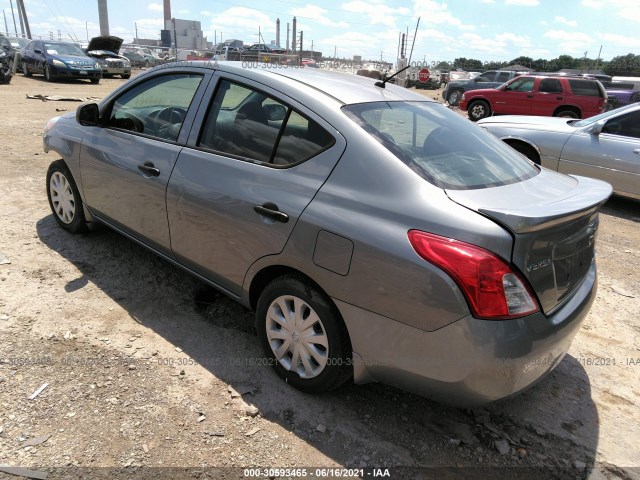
x,y
492,288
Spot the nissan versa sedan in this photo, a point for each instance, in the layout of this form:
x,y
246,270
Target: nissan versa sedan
x,y
377,235
606,146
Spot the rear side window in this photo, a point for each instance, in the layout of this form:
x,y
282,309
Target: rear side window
x,y
249,124
585,87
441,146
550,85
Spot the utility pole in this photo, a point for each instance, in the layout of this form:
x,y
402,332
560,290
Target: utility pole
x,y
135,24
24,19
15,28
598,59
6,27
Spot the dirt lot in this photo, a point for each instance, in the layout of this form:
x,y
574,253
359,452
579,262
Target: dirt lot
x,y
140,361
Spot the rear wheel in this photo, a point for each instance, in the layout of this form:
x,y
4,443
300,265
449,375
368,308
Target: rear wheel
x,y
454,98
95,81
478,109
566,113
302,332
126,76
64,198
25,70
6,71
526,150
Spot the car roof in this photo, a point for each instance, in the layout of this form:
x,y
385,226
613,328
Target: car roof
x,y
344,88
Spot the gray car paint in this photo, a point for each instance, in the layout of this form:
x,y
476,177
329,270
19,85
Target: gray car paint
x,y
408,321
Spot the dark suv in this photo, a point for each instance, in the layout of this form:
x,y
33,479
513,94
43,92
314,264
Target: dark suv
x,y
549,96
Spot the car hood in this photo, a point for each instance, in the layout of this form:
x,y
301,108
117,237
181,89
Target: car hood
x,y
553,124
105,42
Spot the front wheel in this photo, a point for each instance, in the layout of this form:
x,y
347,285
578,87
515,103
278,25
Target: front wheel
x,y
47,73
478,109
25,70
64,198
302,332
94,81
454,98
6,71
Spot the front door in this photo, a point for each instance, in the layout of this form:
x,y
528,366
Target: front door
x,y
125,166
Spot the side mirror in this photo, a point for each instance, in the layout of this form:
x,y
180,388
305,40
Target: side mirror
x,y
88,115
275,112
596,128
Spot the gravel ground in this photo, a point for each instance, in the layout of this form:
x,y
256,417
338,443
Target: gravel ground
x,y
148,373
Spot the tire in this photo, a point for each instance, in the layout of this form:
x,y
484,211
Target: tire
x,y
454,98
566,113
94,81
126,77
478,109
47,74
316,366
526,150
25,70
6,72
64,198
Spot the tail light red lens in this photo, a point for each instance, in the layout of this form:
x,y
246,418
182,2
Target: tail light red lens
x,y
492,288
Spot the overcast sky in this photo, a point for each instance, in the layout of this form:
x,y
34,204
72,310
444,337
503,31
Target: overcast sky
x,y
488,30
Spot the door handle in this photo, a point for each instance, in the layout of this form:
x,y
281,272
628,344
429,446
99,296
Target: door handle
x,y
270,209
530,96
149,169
559,98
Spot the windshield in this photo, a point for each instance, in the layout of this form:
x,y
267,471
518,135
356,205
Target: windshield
x,y
604,115
62,49
441,146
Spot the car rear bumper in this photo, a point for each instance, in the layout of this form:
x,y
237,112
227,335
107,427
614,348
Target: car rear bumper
x,y
470,362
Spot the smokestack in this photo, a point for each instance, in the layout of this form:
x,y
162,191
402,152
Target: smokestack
x,y
278,32
103,14
293,35
167,11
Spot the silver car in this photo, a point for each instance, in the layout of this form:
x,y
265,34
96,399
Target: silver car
x,y
606,146
377,235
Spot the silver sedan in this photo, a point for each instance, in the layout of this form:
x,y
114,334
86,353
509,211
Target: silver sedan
x,y
606,146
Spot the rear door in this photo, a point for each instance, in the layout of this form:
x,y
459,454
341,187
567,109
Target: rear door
x,y
613,155
240,186
547,96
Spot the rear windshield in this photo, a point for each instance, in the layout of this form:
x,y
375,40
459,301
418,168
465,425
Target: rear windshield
x,y
441,146
589,88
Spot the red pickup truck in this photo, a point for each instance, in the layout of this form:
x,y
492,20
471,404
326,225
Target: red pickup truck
x,y
551,96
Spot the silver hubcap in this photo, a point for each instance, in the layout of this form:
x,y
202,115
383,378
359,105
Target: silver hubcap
x,y
296,336
62,199
477,111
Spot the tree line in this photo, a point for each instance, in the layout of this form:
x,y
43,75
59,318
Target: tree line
x,y
623,65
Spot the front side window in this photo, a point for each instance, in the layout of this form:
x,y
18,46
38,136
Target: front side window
x,y
247,123
627,125
157,107
440,145
524,84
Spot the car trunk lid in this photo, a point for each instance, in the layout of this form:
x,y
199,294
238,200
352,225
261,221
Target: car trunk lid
x,y
553,219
